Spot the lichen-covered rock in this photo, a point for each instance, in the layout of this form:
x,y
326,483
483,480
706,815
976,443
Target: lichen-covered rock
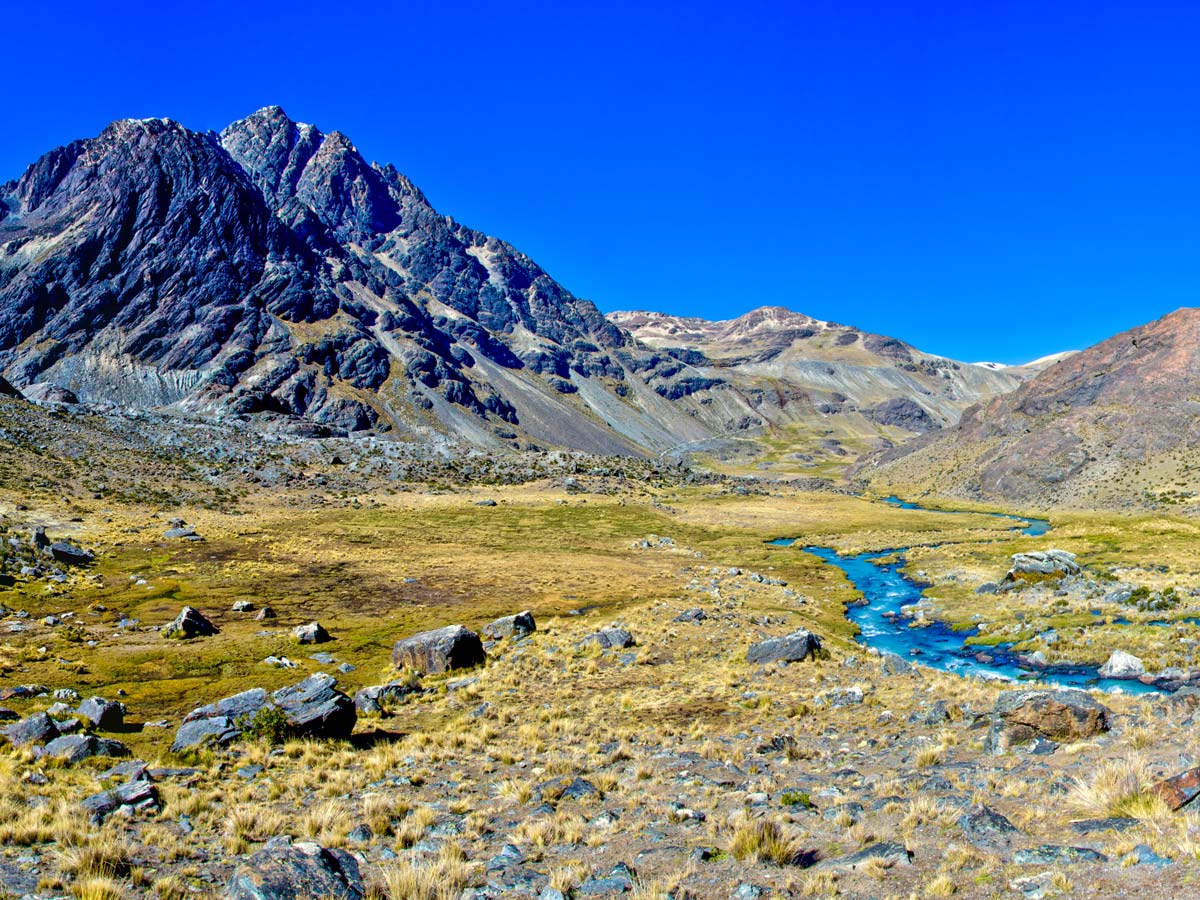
x,y
381,698
299,872
137,795
794,647
1021,716
441,650
71,554
1042,563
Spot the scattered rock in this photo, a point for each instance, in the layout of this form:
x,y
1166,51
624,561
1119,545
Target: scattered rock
x,y
511,626
312,633
696,614
265,613
1052,855
794,647
315,707
71,554
242,606
381,698
137,795
190,623
984,827
610,639
441,650
887,853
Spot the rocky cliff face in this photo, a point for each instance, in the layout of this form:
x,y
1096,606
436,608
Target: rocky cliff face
x,y
1116,425
270,273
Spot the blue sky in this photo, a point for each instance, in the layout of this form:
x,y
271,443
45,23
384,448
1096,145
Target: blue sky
x,y
985,180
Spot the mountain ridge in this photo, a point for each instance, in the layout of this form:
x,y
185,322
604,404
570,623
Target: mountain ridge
x,y
269,272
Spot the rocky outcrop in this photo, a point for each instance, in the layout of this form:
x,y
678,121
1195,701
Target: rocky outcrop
x,y
1021,716
440,650
1042,563
609,639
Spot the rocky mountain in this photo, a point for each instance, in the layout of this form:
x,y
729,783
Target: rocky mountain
x,y
1117,425
851,389
271,274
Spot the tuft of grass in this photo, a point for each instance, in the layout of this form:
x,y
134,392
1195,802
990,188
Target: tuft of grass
x,y
441,878
1118,787
763,840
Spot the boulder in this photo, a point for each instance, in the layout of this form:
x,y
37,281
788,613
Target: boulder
x,y
315,707
71,554
243,606
610,639
312,633
511,626
380,698
1021,716
298,872
217,730
696,614
441,650
46,392
263,614
247,703
137,795
73,748
190,623
101,714
1042,563
1179,790
1122,665
984,827
794,647
35,729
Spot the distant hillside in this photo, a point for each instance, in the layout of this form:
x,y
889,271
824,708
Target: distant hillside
x,y
1116,426
825,392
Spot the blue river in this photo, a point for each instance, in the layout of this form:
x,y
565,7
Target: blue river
x,y
885,589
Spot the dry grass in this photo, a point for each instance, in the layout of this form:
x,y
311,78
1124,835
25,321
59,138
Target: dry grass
x,y
441,878
763,840
1118,788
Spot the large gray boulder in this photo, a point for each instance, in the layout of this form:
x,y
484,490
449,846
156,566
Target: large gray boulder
x,y
74,748
38,728
794,647
299,872
315,707
1021,716
105,715
441,650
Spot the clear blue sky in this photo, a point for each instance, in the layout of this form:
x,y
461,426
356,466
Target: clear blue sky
x,y
985,180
